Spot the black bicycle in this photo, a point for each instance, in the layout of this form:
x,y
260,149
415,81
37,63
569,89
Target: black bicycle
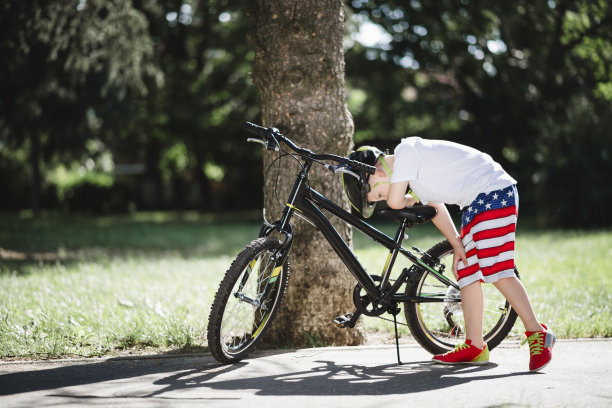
x,y
253,288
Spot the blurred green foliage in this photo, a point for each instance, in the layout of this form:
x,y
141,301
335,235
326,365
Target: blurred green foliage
x,y
114,106
150,95
527,82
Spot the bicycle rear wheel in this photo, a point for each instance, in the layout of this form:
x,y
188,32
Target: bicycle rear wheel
x,y
439,326
247,301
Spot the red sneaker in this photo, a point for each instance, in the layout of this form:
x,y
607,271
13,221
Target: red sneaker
x,y
464,353
540,348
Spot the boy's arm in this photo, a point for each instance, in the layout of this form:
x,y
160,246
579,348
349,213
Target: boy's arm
x,y
397,198
445,224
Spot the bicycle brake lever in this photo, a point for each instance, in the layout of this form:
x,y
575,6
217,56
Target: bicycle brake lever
x,y
263,142
341,169
255,140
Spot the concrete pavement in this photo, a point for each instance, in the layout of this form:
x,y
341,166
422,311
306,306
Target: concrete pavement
x,y
579,375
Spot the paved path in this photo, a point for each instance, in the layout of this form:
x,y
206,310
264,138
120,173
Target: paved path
x,y
578,376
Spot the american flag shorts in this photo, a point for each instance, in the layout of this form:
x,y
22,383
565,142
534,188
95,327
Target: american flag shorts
x,y
487,231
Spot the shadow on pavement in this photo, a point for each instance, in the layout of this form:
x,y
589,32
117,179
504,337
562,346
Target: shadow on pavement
x,y
97,372
325,378
329,378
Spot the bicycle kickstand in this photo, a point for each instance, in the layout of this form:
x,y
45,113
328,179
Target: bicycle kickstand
x,y
399,362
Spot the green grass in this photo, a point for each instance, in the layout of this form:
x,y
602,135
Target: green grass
x,y
99,285
93,286
566,274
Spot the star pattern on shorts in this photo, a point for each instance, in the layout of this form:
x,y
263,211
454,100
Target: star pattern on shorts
x,y
491,201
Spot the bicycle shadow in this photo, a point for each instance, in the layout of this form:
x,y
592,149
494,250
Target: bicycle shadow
x,y
200,374
331,379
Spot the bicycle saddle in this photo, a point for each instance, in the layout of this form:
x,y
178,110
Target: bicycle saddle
x,y
417,214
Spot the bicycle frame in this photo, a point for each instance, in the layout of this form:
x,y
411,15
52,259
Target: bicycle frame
x,y
256,281
308,203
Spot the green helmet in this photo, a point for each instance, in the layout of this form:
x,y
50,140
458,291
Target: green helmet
x,y
357,190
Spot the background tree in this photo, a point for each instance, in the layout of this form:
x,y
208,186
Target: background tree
x,y
127,104
528,82
194,141
299,70
63,63
131,104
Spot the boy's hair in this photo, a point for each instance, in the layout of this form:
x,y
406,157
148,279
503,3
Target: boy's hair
x,y
356,190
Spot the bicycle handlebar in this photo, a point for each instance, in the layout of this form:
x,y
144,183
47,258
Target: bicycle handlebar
x,y
273,135
258,130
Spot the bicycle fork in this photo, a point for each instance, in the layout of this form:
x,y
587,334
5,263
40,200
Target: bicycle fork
x,y
278,258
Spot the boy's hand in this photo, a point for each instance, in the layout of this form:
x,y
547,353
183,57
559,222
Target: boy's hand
x,y
410,201
443,221
458,256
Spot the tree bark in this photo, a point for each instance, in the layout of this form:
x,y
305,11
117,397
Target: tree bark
x,y
299,71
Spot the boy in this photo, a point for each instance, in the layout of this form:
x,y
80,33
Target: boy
x,y
440,172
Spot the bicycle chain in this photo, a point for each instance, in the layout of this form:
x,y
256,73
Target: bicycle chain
x,y
389,320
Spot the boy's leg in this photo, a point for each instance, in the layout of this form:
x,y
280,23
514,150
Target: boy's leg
x,y
540,339
514,291
474,350
473,304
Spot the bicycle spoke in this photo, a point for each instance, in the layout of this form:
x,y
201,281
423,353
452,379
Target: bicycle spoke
x,y
247,310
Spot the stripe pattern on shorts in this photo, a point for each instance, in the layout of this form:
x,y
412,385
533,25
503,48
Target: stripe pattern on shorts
x,y
488,226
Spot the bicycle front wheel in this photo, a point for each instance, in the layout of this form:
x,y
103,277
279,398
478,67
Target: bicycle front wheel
x,y
247,301
439,325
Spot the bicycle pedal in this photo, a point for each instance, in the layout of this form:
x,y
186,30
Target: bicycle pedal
x,y
342,321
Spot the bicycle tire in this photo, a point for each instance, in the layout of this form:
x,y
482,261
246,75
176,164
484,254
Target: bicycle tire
x,y
240,316
439,326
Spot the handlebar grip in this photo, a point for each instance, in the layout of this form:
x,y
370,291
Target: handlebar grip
x,y
362,166
253,128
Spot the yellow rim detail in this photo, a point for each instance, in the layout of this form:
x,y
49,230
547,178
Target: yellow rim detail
x,y
276,271
254,264
261,326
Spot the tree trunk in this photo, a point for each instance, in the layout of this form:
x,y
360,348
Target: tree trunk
x,y
299,70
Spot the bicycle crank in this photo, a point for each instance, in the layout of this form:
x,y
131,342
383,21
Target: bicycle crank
x,y
364,304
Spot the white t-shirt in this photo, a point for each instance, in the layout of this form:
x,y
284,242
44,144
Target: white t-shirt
x,y
445,172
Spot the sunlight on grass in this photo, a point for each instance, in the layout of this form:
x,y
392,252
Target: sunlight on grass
x,y
565,273
567,276
92,308
98,285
